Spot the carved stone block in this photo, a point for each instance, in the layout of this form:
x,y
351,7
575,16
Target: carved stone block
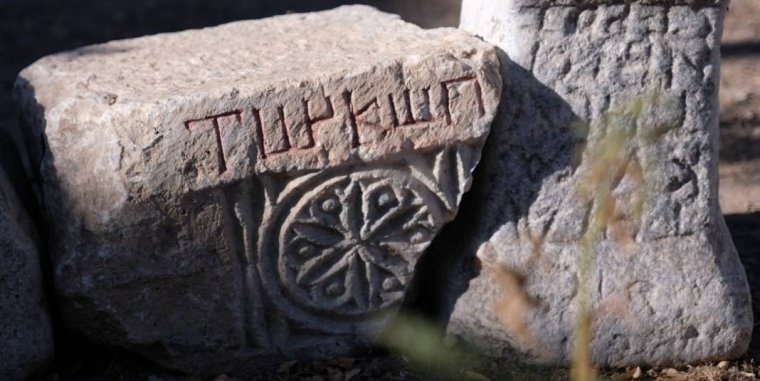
x,y
26,335
666,285
255,189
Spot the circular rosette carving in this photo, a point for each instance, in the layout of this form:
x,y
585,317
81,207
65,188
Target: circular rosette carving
x,y
348,245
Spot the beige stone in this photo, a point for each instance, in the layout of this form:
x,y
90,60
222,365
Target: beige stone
x,y
253,189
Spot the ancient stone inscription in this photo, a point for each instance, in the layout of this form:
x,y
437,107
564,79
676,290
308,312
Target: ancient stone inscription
x,y
290,127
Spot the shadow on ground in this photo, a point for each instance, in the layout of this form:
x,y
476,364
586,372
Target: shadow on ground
x,y
745,231
744,48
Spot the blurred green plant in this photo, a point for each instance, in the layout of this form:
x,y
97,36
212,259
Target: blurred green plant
x,y
423,343
427,347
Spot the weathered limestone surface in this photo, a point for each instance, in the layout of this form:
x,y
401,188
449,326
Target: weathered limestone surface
x,y
255,189
26,337
680,295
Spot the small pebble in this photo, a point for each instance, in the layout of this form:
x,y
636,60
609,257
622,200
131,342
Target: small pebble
x,y
723,364
670,372
637,373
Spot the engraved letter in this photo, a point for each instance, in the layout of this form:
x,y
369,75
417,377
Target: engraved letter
x,y
272,131
207,135
289,127
462,97
316,110
369,122
411,108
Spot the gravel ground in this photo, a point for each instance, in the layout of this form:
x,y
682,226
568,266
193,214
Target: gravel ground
x,y
30,29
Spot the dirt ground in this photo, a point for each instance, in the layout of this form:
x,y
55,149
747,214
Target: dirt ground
x,y
740,141
740,110
30,29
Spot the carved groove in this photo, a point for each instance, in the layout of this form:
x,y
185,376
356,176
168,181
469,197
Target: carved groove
x,y
276,135
348,247
214,119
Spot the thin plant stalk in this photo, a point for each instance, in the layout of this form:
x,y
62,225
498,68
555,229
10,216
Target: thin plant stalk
x,y
610,160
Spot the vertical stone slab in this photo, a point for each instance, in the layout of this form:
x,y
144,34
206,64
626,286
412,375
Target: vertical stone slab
x,y
681,294
223,198
26,336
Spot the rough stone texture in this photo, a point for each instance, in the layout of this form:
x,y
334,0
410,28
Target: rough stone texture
x,y
26,337
224,197
681,294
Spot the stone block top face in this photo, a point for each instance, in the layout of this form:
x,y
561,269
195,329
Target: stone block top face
x,y
250,56
189,110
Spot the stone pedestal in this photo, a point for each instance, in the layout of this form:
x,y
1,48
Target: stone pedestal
x,y
670,289
227,197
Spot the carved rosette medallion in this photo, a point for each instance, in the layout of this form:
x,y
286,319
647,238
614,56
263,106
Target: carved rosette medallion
x,y
346,247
